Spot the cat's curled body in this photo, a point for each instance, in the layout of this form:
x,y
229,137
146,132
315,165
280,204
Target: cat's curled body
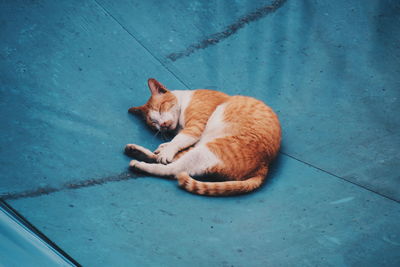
x,y
230,137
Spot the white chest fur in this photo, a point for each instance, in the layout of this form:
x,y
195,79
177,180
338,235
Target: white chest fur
x,y
184,97
216,126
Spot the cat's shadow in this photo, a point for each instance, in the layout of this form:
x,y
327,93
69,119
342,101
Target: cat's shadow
x,y
274,170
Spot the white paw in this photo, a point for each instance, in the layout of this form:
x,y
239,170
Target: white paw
x,y
133,163
129,148
166,155
161,147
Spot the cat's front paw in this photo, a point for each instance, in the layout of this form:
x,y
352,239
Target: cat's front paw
x,y
131,150
161,147
166,155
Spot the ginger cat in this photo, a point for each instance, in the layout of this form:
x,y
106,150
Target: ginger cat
x,y
233,138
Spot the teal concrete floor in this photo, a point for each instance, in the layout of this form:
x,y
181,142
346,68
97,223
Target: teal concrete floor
x,y
69,70
22,245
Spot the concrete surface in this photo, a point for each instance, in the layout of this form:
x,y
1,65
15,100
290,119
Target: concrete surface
x,y
70,70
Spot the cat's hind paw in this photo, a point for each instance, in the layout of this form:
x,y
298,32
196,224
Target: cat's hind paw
x,y
133,164
138,166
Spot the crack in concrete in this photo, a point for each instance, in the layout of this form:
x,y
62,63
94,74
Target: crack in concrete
x,y
228,31
40,191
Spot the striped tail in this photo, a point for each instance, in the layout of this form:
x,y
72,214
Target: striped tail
x,y
227,188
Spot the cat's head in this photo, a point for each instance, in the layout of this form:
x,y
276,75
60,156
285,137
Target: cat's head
x,y
161,111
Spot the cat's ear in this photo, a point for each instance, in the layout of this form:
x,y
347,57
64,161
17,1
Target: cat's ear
x,y
156,87
141,110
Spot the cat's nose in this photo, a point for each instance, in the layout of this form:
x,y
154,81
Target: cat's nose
x,y
166,124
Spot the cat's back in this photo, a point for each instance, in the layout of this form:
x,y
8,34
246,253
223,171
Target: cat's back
x,y
248,111
253,122
245,134
208,98
202,104
239,116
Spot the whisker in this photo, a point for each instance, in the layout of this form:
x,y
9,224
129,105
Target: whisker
x,y
158,131
163,136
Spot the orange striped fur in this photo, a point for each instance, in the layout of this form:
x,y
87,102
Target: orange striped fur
x,y
231,137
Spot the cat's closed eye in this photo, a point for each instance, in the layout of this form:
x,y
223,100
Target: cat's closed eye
x,y
151,121
165,106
